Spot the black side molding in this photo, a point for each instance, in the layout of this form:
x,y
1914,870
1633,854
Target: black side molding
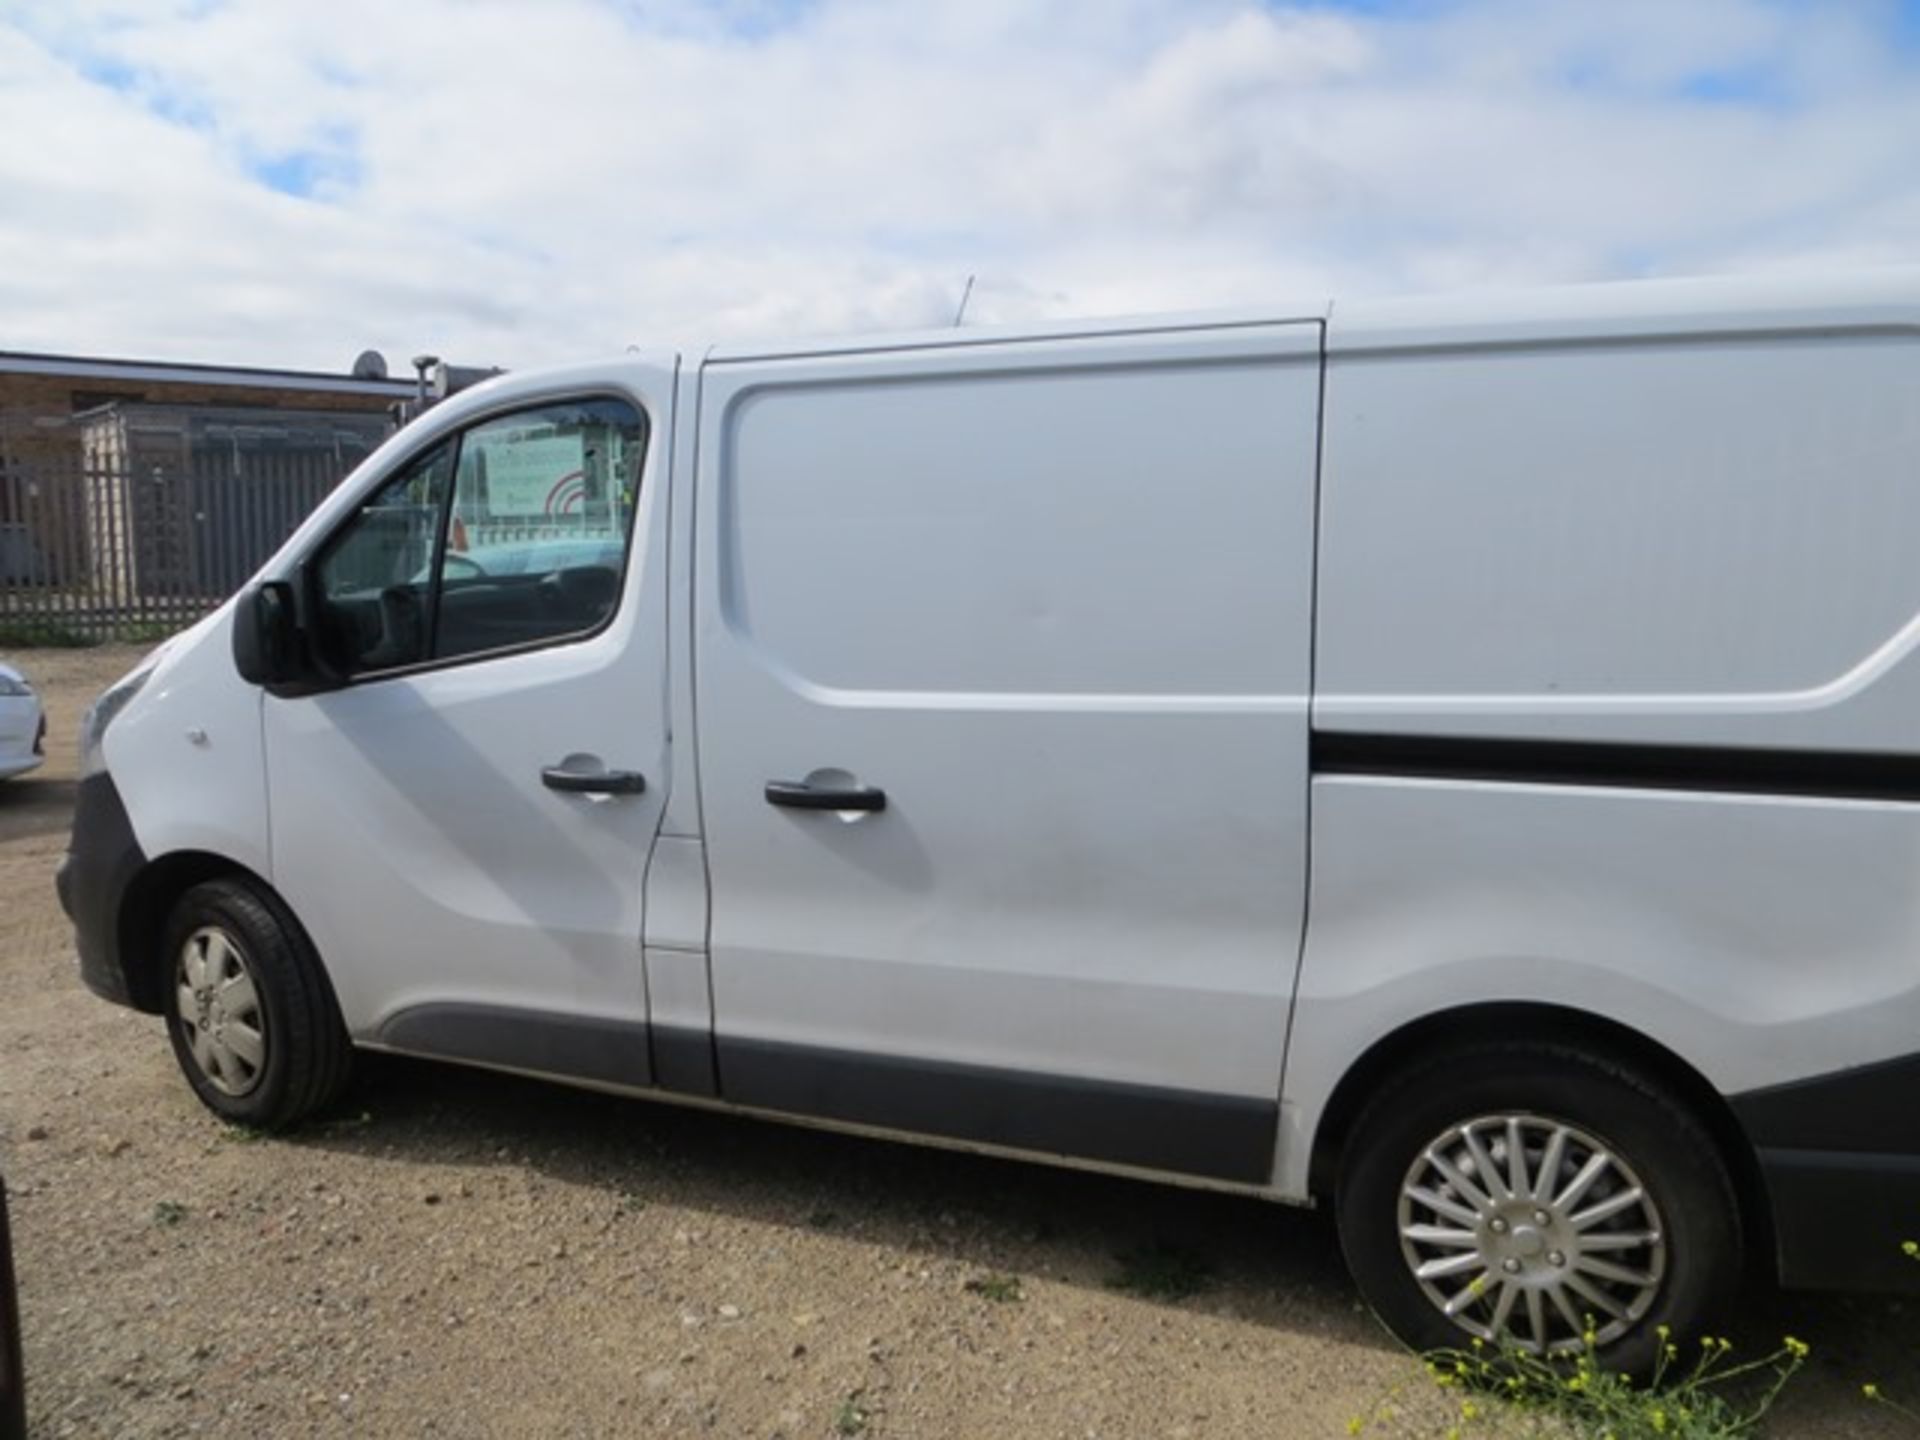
x,y
1840,775
683,1061
1840,1219
1871,1109
580,1047
1841,1156
1225,1137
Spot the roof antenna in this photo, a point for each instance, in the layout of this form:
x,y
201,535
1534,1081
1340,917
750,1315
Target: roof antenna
x,y
965,295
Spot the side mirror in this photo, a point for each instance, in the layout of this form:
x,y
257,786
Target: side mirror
x,y
266,635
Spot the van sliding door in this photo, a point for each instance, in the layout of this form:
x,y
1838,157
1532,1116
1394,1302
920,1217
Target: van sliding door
x,y
1002,666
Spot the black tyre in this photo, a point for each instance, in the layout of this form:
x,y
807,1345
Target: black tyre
x,y
1534,1191
253,1021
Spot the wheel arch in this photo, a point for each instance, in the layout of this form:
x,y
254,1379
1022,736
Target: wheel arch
x,y
1469,1024
151,895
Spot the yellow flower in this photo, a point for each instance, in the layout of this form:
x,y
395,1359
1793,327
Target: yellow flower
x,y
1469,1410
1870,1390
1796,1348
1356,1425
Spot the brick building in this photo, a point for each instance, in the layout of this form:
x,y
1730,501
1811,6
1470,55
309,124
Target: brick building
x,y
123,482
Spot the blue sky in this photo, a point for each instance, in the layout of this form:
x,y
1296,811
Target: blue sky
x,y
283,182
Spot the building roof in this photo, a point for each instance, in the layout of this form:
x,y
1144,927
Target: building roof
x,y
177,372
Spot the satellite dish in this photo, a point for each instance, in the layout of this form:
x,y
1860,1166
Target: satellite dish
x,y
371,365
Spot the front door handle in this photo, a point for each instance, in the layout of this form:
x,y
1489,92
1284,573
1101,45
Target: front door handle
x,y
798,795
593,782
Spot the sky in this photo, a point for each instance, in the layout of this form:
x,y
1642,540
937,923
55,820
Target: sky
x,y
288,182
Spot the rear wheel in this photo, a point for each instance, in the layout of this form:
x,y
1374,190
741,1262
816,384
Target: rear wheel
x,y
252,1018
1534,1195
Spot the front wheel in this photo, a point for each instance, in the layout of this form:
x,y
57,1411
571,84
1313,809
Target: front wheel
x,y
253,1021
1539,1196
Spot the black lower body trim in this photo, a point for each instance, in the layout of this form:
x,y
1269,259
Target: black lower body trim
x,y
1840,1218
1225,1137
1841,1157
683,1061
580,1047
102,859
1871,1108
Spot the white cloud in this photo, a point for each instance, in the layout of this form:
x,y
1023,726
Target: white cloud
x,y
517,182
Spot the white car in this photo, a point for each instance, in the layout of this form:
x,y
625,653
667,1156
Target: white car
x,y
23,724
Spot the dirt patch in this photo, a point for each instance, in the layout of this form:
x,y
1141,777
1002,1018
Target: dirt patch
x,y
457,1253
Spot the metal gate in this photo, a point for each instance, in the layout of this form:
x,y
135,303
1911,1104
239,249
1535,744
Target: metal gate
x,y
100,543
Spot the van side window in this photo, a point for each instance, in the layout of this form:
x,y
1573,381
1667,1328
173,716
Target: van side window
x,y
375,575
513,533
537,546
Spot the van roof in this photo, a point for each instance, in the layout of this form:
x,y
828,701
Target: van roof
x,y
1881,298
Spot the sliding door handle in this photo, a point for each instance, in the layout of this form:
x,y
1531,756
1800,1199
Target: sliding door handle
x,y
798,795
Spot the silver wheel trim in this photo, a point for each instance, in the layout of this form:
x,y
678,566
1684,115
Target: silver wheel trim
x,y
218,1009
1533,1227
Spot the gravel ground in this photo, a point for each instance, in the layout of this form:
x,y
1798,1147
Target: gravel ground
x,y
459,1253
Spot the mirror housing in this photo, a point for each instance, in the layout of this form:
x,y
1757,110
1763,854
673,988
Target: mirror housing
x,y
267,644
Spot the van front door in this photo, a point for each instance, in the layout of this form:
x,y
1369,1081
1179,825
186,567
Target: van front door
x,y
1002,670
464,825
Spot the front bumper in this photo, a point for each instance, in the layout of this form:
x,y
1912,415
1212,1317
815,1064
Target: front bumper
x,y
102,859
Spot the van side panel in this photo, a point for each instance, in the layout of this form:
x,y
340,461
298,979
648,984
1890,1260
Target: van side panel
x,y
1757,939
1053,600
188,760
1695,540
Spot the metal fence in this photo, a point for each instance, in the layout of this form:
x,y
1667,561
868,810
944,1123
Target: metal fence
x,y
98,550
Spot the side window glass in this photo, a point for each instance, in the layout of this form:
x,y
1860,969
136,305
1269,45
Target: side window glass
x,y
543,502
375,576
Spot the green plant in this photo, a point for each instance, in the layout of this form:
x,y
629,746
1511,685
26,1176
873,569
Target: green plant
x,y
1001,1289
241,1134
1911,1249
1697,1398
168,1212
1161,1270
44,635
852,1417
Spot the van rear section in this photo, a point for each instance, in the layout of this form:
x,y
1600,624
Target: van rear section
x,y
1457,762
1616,749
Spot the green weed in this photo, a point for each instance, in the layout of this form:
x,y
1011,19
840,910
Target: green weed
x,y
1001,1289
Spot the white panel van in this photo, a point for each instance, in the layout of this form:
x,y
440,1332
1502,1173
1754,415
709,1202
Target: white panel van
x,y
1458,762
